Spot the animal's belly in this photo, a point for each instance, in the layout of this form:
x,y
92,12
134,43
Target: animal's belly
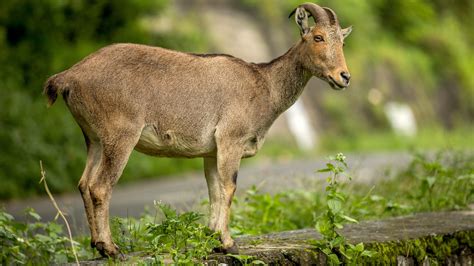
x,y
169,143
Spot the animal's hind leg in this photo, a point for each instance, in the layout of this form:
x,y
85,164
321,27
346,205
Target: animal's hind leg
x,y
115,152
94,151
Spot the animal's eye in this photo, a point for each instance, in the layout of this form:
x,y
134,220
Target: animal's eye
x,y
318,38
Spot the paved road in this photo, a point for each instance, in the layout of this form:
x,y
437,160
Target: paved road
x,y
186,191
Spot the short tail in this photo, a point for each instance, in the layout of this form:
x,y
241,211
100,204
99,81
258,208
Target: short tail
x,y
52,88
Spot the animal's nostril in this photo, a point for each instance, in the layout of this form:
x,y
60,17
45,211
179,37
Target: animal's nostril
x,y
345,77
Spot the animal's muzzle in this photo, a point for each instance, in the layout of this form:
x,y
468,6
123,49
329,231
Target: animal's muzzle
x,y
345,78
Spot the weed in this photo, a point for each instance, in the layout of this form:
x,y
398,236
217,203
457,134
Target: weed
x,y
333,217
129,233
181,236
441,186
259,213
35,242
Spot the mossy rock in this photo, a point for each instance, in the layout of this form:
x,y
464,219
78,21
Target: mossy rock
x,y
426,238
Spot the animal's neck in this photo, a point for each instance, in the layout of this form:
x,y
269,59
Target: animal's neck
x,y
287,78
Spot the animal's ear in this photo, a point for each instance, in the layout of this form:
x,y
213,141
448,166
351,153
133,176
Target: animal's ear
x,y
301,18
346,31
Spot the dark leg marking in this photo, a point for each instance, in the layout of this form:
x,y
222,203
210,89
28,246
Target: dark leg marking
x,y
234,177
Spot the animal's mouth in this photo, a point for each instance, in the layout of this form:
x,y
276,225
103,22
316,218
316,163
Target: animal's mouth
x,y
334,84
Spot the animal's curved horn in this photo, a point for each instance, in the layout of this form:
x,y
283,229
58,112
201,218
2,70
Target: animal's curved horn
x,y
332,16
318,13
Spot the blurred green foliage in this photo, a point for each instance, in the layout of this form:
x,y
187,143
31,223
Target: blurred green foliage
x,y
414,51
40,38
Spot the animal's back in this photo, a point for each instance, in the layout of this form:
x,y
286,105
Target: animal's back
x,y
131,71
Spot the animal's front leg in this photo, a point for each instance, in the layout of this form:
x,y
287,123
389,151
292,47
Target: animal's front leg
x,y
228,162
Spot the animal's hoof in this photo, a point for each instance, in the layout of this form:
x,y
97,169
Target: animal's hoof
x,y
121,257
234,249
109,251
218,250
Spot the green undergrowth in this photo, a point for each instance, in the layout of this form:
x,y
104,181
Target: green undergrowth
x,y
429,183
37,243
167,236
443,181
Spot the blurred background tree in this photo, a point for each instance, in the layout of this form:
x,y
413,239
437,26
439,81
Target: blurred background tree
x,y
414,51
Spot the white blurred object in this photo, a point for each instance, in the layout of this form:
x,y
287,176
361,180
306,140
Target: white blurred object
x,y
300,126
401,118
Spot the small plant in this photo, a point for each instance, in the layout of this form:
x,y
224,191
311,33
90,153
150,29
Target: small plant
x,y
443,181
130,233
181,236
35,242
246,259
261,213
333,217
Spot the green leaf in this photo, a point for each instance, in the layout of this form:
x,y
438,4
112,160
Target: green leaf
x,y
345,254
334,259
60,258
376,198
334,205
359,247
339,196
33,214
431,180
327,251
324,170
338,225
466,177
338,240
5,216
369,253
350,219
